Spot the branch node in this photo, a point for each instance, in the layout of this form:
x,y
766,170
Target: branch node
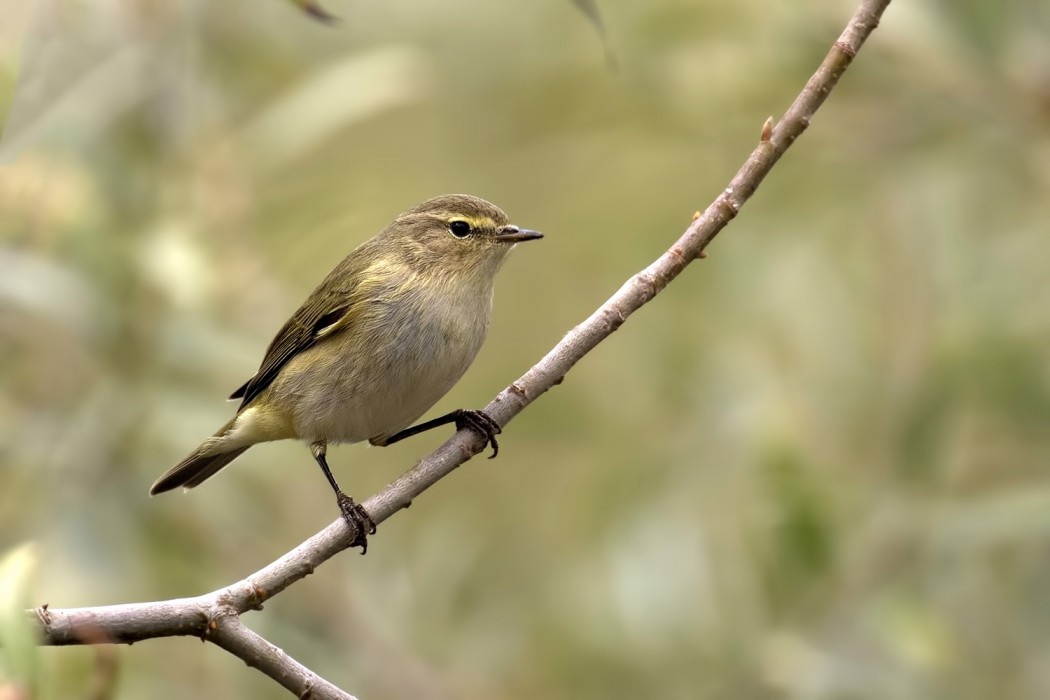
x,y
614,318
652,289
767,130
846,49
729,203
257,595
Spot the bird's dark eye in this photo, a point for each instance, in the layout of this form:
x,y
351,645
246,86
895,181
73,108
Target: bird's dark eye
x,y
459,228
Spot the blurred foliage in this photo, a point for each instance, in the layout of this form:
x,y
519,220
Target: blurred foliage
x,y
815,468
19,669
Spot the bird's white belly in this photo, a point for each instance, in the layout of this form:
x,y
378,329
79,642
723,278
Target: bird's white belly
x,y
402,375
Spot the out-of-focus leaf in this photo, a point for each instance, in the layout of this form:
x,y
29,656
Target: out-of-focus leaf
x,y
16,19
90,93
17,637
1014,515
590,9
43,288
803,533
349,92
314,9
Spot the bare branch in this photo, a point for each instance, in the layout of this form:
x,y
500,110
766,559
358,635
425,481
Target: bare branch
x,y
124,624
215,616
234,637
212,617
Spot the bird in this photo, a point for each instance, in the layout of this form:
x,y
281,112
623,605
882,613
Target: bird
x,y
380,340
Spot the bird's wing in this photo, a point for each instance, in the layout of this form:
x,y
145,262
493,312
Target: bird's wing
x,y
324,313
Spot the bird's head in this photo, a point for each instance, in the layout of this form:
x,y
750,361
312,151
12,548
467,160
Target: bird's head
x,y
456,233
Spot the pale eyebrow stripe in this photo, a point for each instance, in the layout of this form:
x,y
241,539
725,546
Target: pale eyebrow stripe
x,y
475,221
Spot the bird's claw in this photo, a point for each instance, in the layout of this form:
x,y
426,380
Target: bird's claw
x,y
481,423
357,519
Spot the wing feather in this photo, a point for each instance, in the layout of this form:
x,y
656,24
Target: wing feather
x,y
324,313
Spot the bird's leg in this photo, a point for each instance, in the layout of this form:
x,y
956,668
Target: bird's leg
x,y
480,422
356,517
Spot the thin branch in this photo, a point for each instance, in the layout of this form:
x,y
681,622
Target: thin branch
x,y
126,623
214,617
240,641
210,617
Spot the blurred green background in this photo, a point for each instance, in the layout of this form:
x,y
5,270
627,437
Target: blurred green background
x,y
816,467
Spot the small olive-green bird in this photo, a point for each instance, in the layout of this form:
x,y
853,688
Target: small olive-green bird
x,y
390,330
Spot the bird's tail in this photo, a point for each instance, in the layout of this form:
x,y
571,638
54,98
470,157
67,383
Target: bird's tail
x,y
201,465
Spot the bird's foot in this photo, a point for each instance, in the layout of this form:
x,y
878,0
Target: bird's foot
x,y
358,520
481,423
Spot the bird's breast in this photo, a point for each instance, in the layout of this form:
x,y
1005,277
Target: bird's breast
x,y
388,367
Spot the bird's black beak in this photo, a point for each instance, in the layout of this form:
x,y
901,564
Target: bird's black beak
x,y
512,234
